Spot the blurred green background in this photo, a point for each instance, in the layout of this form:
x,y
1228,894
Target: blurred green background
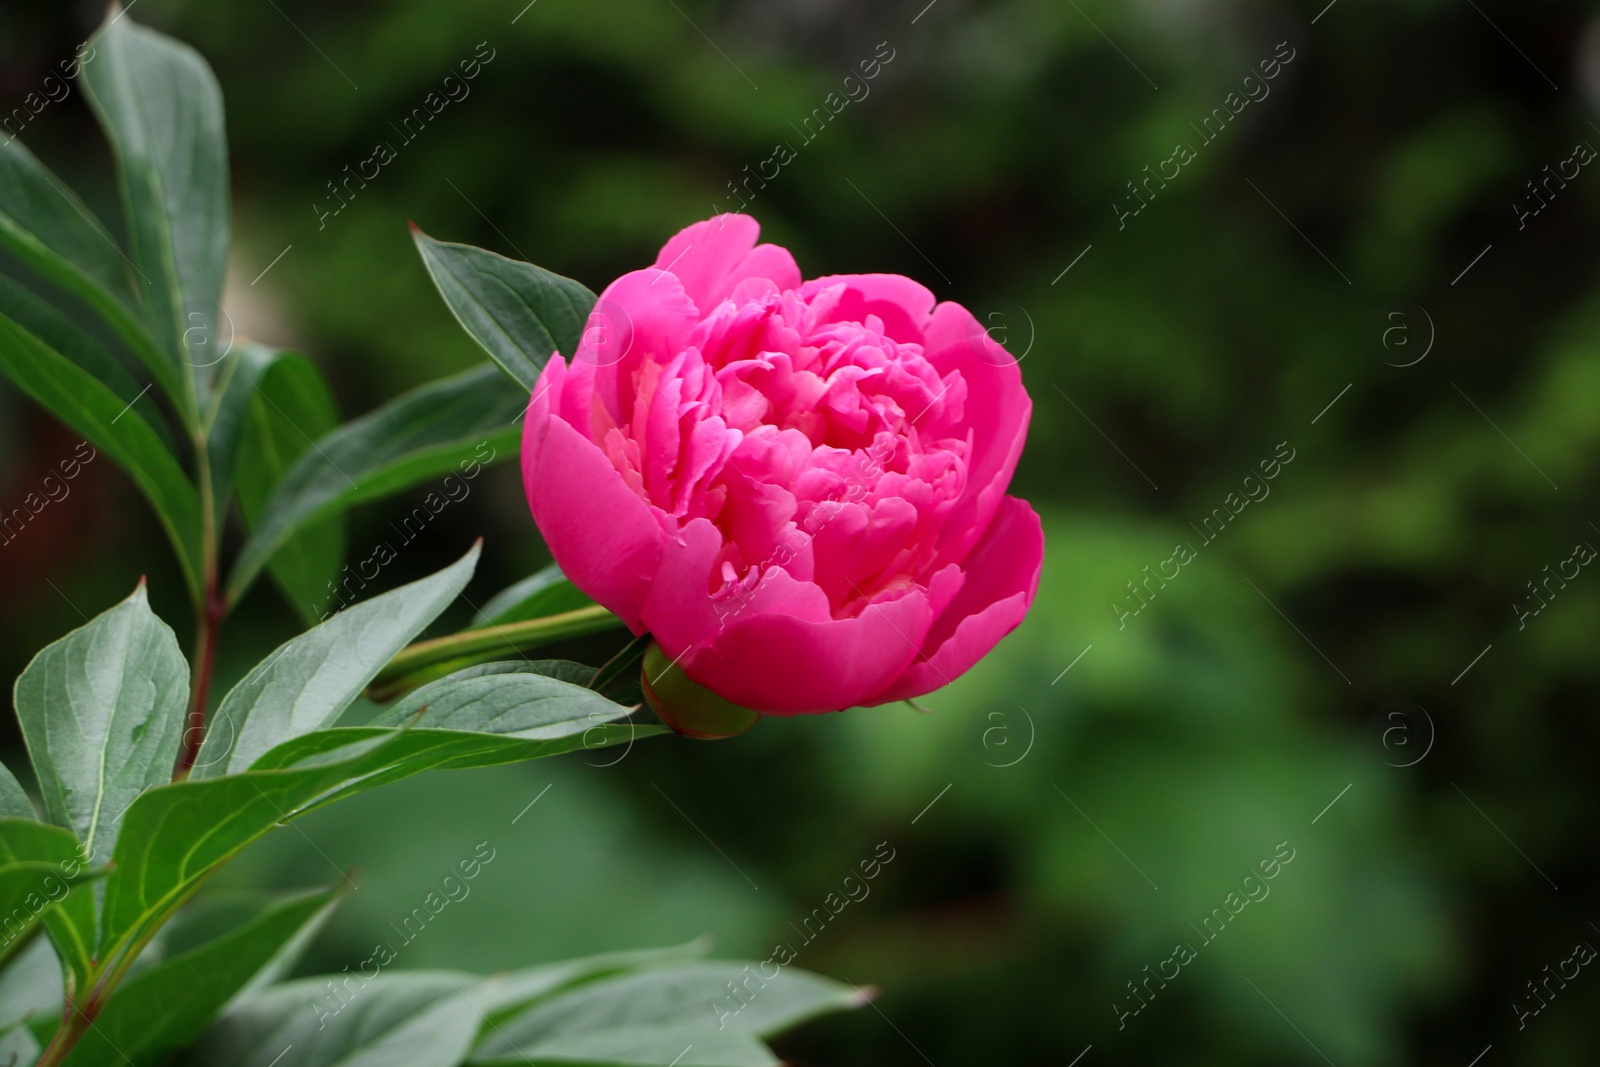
x,y
1082,823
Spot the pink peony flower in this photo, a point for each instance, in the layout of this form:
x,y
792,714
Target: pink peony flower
x,y
797,488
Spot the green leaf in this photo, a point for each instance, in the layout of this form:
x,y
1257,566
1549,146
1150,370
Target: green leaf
x,y
224,419
440,656
578,674
396,1019
513,992
14,799
290,408
46,865
646,1012
78,399
52,326
408,1019
103,711
169,1004
421,749
37,204
519,313
638,1046
545,592
174,836
518,699
161,110
309,681
28,890
458,425
50,229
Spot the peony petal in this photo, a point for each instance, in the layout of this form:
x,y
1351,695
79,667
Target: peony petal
x,y
607,539
679,611
713,256
904,306
644,316
779,664
997,411
1002,576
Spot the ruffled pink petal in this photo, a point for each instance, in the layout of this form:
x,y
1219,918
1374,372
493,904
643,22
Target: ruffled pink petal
x,y
606,538
680,612
783,665
714,256
643,316
1002,576
997,412
904,306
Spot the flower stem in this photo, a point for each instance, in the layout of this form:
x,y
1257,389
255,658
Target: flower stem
x,y
491,642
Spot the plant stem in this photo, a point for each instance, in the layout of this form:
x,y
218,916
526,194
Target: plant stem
x,y
104,980
71,1031
209,613
205,659
493,642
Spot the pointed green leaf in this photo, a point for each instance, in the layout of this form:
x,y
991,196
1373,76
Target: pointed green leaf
x,y
102,711
712,995
45,224
52,326
224,419
112,426
35,202
169,1004
309,681
426,749
406,1019
14,799
638,1046
504,698
394,1019
48,866
290,409
456,425
441,656
635,1018
519,313
174,836
161,109
516,990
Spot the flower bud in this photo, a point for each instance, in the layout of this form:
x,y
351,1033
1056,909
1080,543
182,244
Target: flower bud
x,y
688,707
